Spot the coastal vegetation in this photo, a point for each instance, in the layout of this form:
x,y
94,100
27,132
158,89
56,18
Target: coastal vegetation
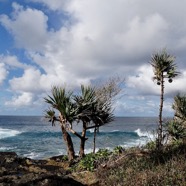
x,y
177,126
160,162
142,166
146,165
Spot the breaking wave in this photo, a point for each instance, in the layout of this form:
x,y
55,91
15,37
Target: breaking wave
x,y
5,133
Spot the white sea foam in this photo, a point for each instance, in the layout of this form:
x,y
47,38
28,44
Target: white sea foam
x,y
89,150
34,155
115,131
91,130
5,133
144,134
6,148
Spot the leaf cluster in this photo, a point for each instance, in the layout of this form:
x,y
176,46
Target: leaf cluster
x,y
163,66
86,107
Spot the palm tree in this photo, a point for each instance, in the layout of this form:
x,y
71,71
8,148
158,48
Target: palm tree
x,y
61,101
92,112
103,114
163,67
85,104
85,107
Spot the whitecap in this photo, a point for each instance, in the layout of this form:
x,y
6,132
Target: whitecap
x,y
6,148
144,134
91,130
89,150
5,133
115,131
34,155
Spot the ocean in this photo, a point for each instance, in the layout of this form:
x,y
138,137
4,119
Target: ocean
x,y
36,138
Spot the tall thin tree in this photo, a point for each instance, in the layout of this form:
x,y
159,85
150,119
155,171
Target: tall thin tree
x,y
164,67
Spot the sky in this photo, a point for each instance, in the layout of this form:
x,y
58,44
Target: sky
x,y
57,42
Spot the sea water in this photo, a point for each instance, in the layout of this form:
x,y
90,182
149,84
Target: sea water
x,y
35,137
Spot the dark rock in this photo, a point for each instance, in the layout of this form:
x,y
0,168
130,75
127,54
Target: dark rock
x,y
7,157
18,171
49,180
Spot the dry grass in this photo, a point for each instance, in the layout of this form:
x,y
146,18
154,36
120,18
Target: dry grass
x,y
145,169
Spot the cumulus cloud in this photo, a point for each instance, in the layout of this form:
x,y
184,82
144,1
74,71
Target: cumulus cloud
x,y
25,99
143,34
12,61
33,81
98,39
178,84
143,83
3,72
96,43
28,26
54,4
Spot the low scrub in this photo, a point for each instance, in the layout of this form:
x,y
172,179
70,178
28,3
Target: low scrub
x,y
92,161
146,168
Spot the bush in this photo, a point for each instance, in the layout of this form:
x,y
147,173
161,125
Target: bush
x,y
166,168
176,130
118,150
92,161
151,145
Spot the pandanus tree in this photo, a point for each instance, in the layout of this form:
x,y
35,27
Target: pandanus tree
x,y
102,114
91,112
92,107
60,101
85,107
85,103
164,67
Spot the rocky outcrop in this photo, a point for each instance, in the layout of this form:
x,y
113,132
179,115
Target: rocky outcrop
x,y
17,171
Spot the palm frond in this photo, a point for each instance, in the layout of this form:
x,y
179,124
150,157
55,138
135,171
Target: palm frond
x,y
163,65
50,115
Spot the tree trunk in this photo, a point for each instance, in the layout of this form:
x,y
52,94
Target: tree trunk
x,y
68,140
160,127
94,141
83,139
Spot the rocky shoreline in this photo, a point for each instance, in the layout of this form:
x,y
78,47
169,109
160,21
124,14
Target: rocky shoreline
x,y
21,171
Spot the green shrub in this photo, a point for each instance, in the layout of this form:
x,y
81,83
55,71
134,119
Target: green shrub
x,y
176,130
92,161
87,162
118,150
151,145
103,153
65,158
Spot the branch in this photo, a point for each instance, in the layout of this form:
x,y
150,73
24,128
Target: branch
x,y
94,126
77,134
